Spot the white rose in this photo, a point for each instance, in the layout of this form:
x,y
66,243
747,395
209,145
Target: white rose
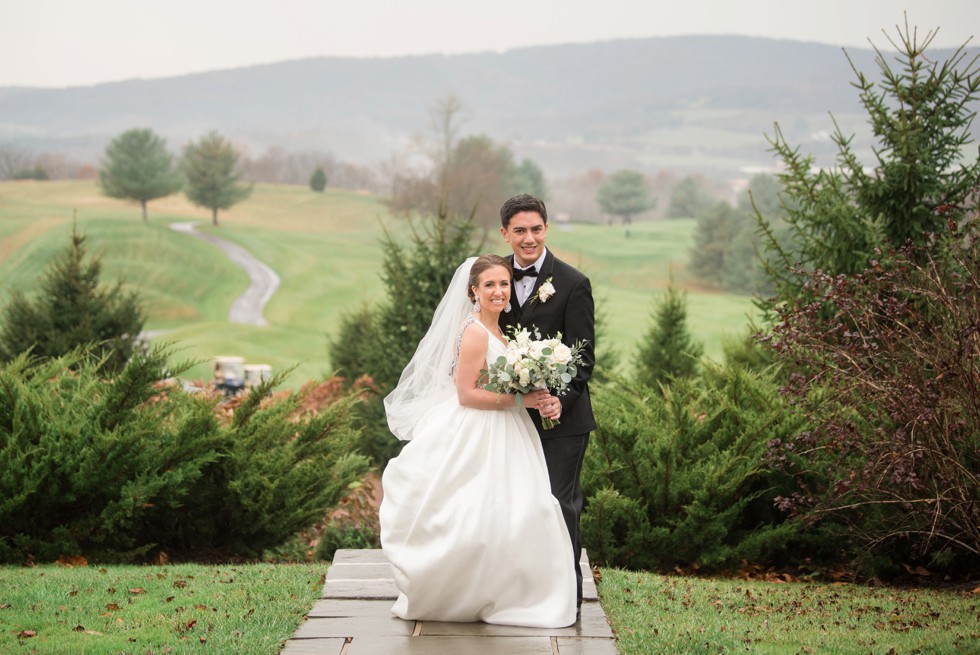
x,y
546,291
561,354
525,377
536,348
513,357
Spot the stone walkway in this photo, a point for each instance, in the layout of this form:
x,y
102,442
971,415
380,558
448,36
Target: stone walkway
x,y
354,618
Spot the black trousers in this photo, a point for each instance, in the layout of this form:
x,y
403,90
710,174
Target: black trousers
x,y
564,456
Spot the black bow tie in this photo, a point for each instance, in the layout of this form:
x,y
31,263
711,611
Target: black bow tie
x,y
529,272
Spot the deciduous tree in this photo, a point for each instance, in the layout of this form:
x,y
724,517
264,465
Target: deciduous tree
x,y
625,194
468,177
211,168
138,167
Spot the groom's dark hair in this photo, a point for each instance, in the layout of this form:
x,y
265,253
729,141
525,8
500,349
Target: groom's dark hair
x,y
524,202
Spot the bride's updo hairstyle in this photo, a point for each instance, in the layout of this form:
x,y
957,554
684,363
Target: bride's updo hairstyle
x,y
482,263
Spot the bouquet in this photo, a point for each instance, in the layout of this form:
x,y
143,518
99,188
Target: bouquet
x,y
534,364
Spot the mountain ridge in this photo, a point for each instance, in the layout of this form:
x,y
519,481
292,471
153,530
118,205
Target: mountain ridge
x,y
679,102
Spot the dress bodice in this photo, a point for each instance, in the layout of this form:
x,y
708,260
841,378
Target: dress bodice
x,y
495,347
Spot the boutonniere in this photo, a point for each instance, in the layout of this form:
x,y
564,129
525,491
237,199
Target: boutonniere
x,y
545,291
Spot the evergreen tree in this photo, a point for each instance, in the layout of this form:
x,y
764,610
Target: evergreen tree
x,y
379,341
138,167
72,310
318,181
690,198
210,166
714,238
668,351
625,194
529,178
920,116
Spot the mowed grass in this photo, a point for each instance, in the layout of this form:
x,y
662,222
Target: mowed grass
x,y
251,609
326,250
653,614
185,608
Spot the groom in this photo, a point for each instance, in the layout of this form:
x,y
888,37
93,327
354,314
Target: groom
x,y
565,306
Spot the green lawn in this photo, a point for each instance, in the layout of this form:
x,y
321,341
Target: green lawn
x,y
188,608
250,609
325,248
653,614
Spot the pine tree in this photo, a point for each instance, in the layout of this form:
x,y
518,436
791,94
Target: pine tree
x,y
210,166
920,116
72,310
668,351
138,167
318,181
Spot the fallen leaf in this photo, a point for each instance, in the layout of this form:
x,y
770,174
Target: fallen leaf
x,y
137,590
112,607
26,634
71,562
79,628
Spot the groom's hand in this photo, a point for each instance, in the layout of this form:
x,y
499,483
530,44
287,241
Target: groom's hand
x,y
550,408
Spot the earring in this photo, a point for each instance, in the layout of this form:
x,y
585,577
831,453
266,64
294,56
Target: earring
x,y
507,308
476,305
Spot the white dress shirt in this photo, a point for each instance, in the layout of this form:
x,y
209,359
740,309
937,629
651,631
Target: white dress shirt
x,y
523,286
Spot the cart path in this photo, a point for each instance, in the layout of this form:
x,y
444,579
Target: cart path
x,y
263,281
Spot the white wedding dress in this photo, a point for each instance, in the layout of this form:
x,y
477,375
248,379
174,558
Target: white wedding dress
x,y
469,524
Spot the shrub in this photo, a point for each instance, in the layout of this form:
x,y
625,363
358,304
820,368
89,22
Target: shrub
x,y
676,476
887,364
112,468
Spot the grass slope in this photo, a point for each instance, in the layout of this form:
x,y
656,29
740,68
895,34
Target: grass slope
x,y
325,248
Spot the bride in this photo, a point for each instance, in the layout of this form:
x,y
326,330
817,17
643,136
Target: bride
x,y
468,521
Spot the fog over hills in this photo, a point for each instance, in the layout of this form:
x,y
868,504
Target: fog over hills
x,y
682,103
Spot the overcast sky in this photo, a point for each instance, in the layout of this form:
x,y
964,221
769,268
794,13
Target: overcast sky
x,y
55,43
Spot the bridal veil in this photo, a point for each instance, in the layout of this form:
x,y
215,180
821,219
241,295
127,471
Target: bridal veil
x,y
428,378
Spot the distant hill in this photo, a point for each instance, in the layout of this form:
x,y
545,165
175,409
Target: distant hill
x,y
702,102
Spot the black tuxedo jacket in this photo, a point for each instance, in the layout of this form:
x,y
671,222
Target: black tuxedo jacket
x,y
570,311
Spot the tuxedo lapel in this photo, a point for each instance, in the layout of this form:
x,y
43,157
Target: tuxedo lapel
x,y
547,270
